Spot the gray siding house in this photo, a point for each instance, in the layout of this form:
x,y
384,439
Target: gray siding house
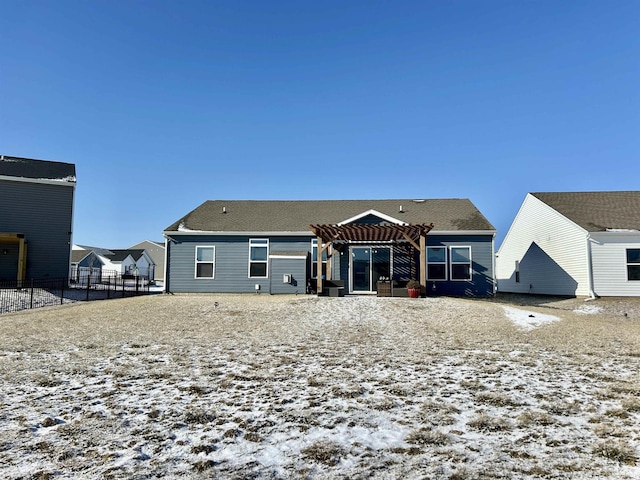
x,y
272,247
574,244
36,216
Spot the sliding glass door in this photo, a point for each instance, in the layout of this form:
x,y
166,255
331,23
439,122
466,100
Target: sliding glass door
x,y
368,264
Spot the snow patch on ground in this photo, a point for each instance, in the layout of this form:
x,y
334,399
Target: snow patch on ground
x,y
588,309
527,319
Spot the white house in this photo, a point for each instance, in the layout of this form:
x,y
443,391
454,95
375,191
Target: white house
x,y
573,243
132,262
110,261
156,251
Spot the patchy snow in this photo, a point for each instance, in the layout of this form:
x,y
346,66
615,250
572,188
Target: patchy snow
x,y
588,309
527,319
69,179
183,228
256,386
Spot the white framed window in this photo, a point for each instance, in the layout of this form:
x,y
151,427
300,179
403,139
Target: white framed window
x,y
436,263
460,263
205,262
314,259
258,257
633,264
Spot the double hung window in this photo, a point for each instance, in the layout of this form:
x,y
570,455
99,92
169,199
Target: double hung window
x,y
633,263
205,262
436,263
460,258
258,257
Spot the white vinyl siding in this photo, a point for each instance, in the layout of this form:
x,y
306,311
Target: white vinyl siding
x,y
551,251
610,274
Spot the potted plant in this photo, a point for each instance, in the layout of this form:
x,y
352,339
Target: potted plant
x,y
413,288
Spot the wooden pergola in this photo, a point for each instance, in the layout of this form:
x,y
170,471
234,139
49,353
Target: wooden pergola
x,y
329,234
21,240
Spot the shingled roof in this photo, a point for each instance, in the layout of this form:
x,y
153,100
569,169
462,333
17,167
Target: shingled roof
x,y
296,215
37,169
596,211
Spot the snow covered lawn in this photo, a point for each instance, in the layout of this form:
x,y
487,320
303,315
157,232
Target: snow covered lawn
x,y
256,386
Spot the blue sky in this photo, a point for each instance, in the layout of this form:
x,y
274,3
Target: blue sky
x,y
165,104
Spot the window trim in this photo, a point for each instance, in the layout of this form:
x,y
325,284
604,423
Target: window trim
x,y
198,262
262,243
452,263
631,264
445,263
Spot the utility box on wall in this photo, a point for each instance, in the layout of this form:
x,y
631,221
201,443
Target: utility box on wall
x,y
286,278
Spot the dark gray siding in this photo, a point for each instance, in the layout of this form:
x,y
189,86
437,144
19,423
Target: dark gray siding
x,y
44,213
482,263
296,267
232,254
231,263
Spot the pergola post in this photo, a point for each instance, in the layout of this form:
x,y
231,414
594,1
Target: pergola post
x,y
423,262
319,266
21,240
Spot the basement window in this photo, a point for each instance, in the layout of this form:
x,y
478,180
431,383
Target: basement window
x,y
633,263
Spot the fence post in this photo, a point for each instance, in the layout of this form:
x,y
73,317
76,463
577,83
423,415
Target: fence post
x,y
108,288
88,285
123,289
62,291
31,306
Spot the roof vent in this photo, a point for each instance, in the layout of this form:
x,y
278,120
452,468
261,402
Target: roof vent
x,y
400,210
419,200
224,209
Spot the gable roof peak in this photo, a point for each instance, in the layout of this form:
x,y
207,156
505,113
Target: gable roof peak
x,y
596,211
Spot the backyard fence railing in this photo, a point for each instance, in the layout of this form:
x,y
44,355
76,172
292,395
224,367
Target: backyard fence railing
x,y
22,295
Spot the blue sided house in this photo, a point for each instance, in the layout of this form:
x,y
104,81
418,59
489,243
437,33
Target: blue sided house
x,y
36,218
361,246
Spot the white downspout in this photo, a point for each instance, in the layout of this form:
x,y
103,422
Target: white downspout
x,y
592,293
166,263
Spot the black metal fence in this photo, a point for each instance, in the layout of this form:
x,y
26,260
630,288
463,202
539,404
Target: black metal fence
x,y
15,296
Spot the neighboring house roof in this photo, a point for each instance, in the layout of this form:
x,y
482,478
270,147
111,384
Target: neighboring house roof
x,y
148,245
99,251
78,255
456,214
120,255
113,255
597,211
37,169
